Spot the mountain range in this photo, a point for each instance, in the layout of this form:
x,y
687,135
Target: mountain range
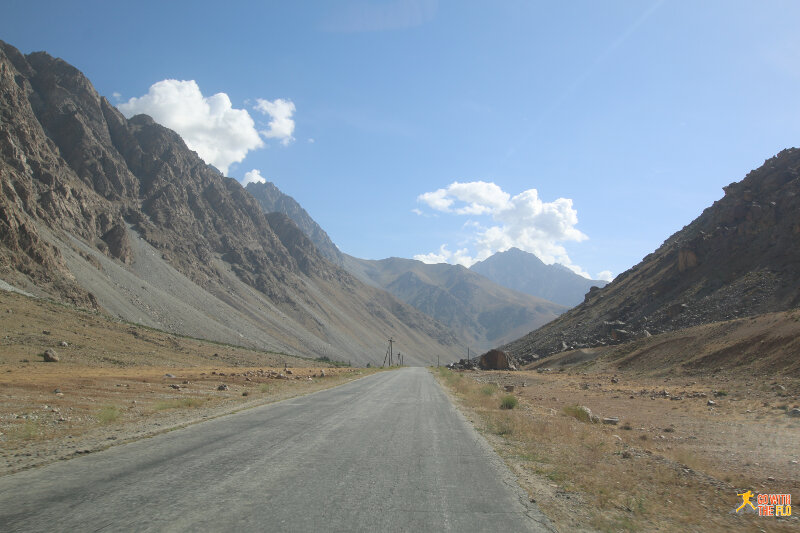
x,y
119,215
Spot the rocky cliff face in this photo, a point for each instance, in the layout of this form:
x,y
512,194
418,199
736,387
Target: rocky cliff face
x,y
88,194
524,272
272,200
740,257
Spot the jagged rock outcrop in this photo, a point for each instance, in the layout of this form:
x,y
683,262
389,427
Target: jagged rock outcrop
x,y
272,200
740,257
114,213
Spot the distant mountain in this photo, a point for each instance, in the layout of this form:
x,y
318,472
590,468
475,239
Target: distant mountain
x,y
739,258
524,272
479,311
273,200
119,215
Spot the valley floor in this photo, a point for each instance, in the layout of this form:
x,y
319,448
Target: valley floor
x,y
671,463
116,382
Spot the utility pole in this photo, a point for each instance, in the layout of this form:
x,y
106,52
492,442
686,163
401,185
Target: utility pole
x,y
389,354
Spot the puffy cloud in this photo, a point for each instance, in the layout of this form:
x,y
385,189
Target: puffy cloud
x,y
254,176
281,124
605,275
443,255
220,134
523,221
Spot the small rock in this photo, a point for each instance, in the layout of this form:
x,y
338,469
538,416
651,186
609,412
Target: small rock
x,y
614,380
794,412
245,393
509,388
168,376
175,386
46,332
63,344
50,356
57,391
770,478
322,373
612,420
289,372
711,402
222,387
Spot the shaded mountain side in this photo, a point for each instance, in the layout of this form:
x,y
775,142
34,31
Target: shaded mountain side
x,y
106,212
478,310
740,257
273,200
524,272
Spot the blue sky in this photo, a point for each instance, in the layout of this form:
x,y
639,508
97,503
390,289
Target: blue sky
x,y
635,113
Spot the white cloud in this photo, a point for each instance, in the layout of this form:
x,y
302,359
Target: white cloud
x,y
417,211
116,96
254,176
605,275
443,255
281,125
523,221
220,134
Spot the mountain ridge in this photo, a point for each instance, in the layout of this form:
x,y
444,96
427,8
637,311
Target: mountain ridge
x,y
95,205
737,259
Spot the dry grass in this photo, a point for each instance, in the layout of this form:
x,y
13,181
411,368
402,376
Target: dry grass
x,y
599,477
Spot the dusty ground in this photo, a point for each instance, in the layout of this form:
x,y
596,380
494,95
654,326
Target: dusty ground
x,y
115,382
672,463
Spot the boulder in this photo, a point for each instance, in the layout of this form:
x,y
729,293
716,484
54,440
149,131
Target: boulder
x,y
494,360
50,356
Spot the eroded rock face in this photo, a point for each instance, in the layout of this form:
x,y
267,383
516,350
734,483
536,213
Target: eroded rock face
x,y
739,258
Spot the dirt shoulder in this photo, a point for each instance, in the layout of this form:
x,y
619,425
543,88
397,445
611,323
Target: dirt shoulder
x,y
672,462
115,382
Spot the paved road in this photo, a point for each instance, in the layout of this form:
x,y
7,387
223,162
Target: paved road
x,y
384,453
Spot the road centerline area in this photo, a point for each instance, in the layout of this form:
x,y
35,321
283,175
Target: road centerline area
x,y
388,452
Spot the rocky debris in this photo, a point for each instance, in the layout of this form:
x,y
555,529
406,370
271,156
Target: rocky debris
x,y
464,364
222,387
50,356
175,386
611,420
509,388
795,412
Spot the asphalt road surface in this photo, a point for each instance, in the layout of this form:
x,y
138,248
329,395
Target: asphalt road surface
x,y
388,452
